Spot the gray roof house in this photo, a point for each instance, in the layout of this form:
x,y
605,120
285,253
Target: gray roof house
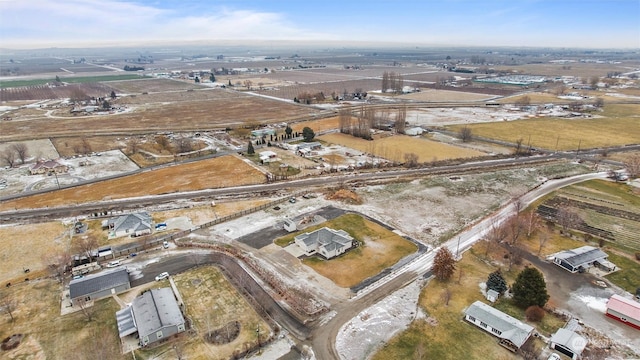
x,y
581,259
154,315
568,343
135,224
512,332
325,241
98,286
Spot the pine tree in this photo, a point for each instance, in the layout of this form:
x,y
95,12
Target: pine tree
x,y
496,282
443,264
250,149
530,288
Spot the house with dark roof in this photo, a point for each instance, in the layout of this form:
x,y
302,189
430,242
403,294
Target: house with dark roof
x,y
325,241
48,166
136,224
568,342
624,310
154,315
512,332
582,258
98,286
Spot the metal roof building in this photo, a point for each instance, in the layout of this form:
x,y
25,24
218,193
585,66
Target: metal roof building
x,y
568,343
512,332
94,287
580,259
624,310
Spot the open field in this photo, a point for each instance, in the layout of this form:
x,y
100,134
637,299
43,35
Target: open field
x,y
379,249
203,214
211,302
445,96
628,277
228,170
43,92
51,336
568,134
152,85
317,126
571,69
395,147
66,145
289,92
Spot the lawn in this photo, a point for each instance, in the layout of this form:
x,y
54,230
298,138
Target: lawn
x,y
568,134
395,147
379,249
448,336
211,173
628,277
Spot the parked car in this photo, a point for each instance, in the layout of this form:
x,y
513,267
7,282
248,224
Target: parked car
x,y
292,200
113,264
165,244
554,356
76,277
162,276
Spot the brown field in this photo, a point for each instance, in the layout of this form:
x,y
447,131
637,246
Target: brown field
x,y
203,214
317,126
576,69
152,85
65,145
41,92
569,134
445,96
289,92
152,100
394,147
183,115
228,170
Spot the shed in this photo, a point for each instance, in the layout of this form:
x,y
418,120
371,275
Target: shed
x,y
580,259
624,310
492,295
512,332
568,343
98,286
290,225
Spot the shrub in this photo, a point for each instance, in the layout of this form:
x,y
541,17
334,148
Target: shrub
x,y
638,256
534,313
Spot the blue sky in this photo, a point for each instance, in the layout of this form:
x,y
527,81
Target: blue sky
x,y
537,23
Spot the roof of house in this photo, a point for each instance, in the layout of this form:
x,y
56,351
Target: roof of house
x,y
98,282
49,164
268,153
135,222
511,328
312,144
570,340
155,310
582,255
126,322
326,237
624,306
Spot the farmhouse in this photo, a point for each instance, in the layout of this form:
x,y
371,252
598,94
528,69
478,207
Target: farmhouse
x,y
135,224
310,145
154,315
263,132
624,310
326,242
582,258
95,287
48,166
568,343
512,332
268,156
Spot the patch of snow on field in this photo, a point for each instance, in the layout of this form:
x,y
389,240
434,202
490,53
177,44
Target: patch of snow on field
x,y
595,303
363,334
274,350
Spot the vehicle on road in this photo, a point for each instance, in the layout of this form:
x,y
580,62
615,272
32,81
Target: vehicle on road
x,y
292,200
162,276
76,277
165,244
113,264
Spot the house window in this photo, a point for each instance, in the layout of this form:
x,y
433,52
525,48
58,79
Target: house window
x,y
496,331
471,318
483,324
159,335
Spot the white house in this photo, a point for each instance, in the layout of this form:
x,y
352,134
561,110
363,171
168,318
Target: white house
x,y
325,241
136,224
268,156
512,332
582,258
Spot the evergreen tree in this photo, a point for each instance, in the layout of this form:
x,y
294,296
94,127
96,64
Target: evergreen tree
x,y
496,282
443,264
250,149
308,134
530,289
288,130
212,77
113,94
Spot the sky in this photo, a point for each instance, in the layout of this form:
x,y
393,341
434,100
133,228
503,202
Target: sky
x,y
521,23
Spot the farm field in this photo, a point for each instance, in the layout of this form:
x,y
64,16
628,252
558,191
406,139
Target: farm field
x,y
380,248
210,313
574,69
395,147
445,96
229,170
317,126
43,92
152,85
568,134
289,92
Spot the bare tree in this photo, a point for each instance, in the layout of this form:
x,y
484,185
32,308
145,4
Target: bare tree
x,y
446,296
57,263
466,134
514,229
410,160
401,120
86,245
632,164
163,142
495,236
443,264
519,146
523,101
86,308
567,219
9,157
133,144
345,121
86,146
385,81
532,222
543,237
184,144
248,84
21,151
8,303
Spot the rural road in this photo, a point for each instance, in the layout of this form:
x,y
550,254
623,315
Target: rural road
x,y
324,337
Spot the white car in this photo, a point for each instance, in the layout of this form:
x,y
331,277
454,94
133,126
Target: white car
x,y
113,264
554,356
162,276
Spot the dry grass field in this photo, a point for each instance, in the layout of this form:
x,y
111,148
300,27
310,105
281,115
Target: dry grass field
x,y
211,302
212,173
152,85
445,96
616,125
317,126
379,249
394,147
66,145
574,69
203,214
289,92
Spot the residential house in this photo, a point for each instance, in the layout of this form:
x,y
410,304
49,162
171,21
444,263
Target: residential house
x,y
309,145
98,286
268,156
568,342
325,241
582,258
154,315
624,310
136,224
512,332
48,166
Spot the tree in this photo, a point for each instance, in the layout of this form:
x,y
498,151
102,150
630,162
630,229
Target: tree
x,y
530,288
534,313
197,79
57,263
8,303
9,157
599,102
410,160
163,142
443,264
133,144
496,235
58,78
113,94
86,146
543,237
466,134
86,246
531,222
21,151
212,77
567,219
496,282
250,149
523,101
308,134
184,145
401,120
106,105
248,84
632,165
86,308
288,130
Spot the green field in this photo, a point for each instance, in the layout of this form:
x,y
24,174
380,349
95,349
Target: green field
x,y
616,125
628,277
74,80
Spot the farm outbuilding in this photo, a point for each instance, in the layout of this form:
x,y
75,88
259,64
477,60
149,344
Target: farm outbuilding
x,y
568,343
624,310
98,286
512,332
582,258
